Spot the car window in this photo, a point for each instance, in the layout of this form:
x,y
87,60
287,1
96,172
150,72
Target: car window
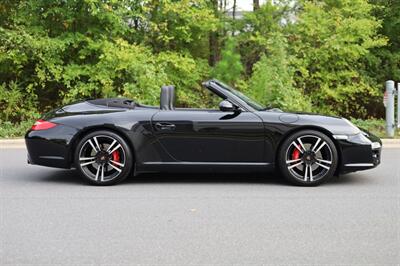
x,y
211,100
243,97
204,99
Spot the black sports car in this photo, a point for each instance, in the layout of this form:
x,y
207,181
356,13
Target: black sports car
x,y
108,139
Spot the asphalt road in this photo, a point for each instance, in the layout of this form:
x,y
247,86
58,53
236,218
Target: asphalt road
x,y
50,217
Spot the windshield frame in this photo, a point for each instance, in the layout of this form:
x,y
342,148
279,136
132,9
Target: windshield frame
x,y
249,101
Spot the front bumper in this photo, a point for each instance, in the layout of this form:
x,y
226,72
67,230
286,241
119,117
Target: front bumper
x,y
359,152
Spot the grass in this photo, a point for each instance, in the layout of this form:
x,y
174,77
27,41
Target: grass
x,y
10,130
375,126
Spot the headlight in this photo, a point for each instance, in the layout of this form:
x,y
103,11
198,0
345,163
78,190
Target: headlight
x,y
375,145
341,137
360,139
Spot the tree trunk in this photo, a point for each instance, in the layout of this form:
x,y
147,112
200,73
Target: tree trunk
x,y
234,15
213,40
256,4
234,9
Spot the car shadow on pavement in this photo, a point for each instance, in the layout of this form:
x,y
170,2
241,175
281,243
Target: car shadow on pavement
x,y
259,178
349,179
63,176
242,178
73,177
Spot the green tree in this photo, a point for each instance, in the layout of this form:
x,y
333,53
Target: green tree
x,y
68,50
176,25
384,62
230,67
271,82
330,41
257,27
332,51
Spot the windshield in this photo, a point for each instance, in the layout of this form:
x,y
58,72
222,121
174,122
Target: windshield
x,y
243,97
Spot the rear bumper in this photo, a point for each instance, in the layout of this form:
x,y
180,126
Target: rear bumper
x,y
50,147
359,154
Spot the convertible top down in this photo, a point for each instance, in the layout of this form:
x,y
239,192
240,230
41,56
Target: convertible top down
x,y
106,140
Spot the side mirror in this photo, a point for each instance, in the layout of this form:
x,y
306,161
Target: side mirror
x,y
227,106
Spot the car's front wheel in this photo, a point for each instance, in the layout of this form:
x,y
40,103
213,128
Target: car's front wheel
x,y
308,158
103,158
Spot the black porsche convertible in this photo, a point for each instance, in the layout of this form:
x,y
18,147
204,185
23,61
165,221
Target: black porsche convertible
x,y
107,140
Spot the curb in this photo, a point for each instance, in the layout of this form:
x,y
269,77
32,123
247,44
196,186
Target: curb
x,y
390,141
12,143
20,143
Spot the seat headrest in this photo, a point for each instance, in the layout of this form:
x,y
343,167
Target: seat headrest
x,y
167,98
172,97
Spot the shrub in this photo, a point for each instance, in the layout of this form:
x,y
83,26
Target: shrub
x,y
230,67
271,82
331,40
14,130
17,104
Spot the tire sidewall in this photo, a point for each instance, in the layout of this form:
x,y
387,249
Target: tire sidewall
x,y
282,158
128,154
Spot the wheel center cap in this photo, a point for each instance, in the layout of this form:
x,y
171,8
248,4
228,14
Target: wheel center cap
x,y
102,157
309,157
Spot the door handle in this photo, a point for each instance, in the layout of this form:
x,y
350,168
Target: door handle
x,y
165,126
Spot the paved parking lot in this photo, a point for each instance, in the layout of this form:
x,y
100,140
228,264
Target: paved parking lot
x,y
50,217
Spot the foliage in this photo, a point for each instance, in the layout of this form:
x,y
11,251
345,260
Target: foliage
x,y
271,82
14,130
384,62
14,105
121,69
230,67
257,27
331,55
174,25
131,70
330,40
82,49
374,126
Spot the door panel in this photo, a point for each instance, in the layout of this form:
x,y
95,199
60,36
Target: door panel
x,y
210,135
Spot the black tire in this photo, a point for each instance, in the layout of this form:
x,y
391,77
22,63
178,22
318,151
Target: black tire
x,y
98,162
302,160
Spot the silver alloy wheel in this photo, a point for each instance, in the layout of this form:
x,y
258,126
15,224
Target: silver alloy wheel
x,y
309,158
102,158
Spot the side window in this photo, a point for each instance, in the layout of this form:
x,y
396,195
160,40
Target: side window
x,y
211,100
204,99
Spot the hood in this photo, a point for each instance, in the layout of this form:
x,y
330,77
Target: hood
x,y
334,124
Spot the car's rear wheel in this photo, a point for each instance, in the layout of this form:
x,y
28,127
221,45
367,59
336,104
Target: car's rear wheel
x,y
103,158
308,158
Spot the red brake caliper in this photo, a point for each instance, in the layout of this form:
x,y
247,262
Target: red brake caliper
x,y
295,154
115,156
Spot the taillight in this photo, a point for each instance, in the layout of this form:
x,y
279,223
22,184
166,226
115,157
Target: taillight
x,y
42,125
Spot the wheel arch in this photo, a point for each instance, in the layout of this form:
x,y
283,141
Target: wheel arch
x,y
82,133
315,128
